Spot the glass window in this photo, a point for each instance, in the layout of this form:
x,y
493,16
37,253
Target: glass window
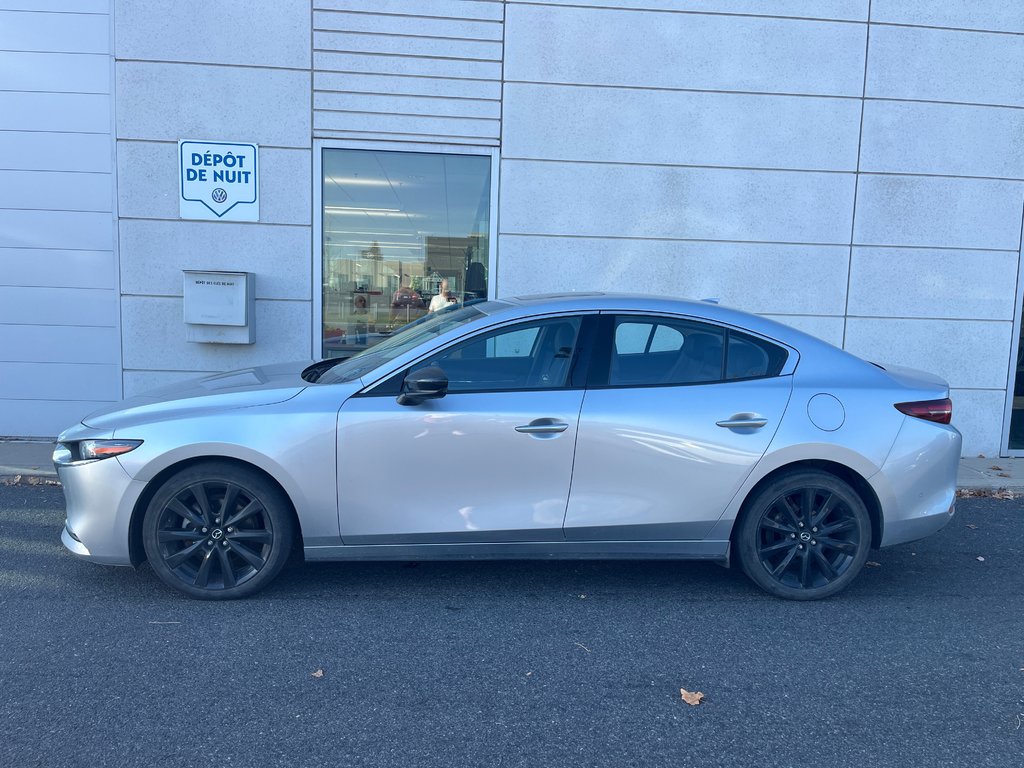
x,y
536,355
751,358
658,351
404,234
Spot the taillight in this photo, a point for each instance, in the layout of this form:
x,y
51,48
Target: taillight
x,y
939,411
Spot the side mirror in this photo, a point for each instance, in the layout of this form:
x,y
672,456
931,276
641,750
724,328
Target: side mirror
x,y
424,384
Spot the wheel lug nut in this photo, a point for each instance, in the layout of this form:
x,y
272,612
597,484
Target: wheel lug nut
x,y
800,524
800,546
813,541
230,530
224,543
210,543
814,530
792,535
204,530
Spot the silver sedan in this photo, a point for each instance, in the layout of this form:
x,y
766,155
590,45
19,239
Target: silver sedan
x,y
571,426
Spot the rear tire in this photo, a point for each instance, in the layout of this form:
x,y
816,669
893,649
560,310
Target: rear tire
x,y
217,531
804,536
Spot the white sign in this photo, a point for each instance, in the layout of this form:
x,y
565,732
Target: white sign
x,y
219,181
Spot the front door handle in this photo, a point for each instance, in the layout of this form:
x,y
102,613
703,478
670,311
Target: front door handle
x,y
750,420
543,427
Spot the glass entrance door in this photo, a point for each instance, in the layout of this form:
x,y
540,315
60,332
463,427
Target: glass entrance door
x,y
404,234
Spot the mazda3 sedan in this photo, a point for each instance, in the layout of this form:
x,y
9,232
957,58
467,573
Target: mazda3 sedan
x,y
569,426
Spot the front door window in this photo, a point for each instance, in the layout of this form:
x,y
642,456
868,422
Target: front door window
x,y
404,234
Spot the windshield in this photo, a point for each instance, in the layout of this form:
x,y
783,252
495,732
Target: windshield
x,y
428,327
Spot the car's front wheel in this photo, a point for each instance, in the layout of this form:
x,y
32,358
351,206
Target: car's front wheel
x,y
804,536
217,531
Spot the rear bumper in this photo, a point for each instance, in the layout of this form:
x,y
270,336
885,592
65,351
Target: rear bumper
x,y
917,484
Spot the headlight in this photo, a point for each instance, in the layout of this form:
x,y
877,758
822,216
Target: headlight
x,y
91,450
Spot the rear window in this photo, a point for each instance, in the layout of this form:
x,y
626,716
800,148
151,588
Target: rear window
x,y
750,358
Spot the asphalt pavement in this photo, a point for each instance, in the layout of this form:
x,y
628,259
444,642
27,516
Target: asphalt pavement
x,y
919,663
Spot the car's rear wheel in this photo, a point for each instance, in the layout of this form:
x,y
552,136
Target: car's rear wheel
x,y
217,531
804,536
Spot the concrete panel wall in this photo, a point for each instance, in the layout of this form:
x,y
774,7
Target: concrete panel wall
x,y
403,70
179,77
60,347
861,179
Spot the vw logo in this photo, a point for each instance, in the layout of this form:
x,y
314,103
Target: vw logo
x,y
219,195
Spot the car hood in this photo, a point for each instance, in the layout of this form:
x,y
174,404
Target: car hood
x,y
263,385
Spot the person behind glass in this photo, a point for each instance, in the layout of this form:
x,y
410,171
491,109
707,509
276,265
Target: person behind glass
x,y
360,313
443,297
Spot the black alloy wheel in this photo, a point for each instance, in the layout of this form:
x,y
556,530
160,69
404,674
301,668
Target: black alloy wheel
x,y
805,536
217,531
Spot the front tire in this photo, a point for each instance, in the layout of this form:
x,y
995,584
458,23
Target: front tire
x,y
217,531
804,536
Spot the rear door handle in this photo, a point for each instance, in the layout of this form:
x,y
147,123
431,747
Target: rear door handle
x,y
751,420
543,427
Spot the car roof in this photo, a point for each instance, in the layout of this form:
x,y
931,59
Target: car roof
x,y
640,302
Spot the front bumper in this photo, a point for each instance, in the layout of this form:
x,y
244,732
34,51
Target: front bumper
x,y
100,498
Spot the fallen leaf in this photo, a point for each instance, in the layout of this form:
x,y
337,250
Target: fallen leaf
x,y
318,674
583,597
981,455
873,564
995,467
980,559
1003,474
972,526
1003,493
691,698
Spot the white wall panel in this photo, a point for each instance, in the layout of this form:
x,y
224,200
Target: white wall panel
x,y
753,277
62,112
56,72
40,151
154,337
920,282
224,32
147,176
951,139
977,414
968,354
57,268
59,344
415,26
42,418
997,15
466,9
672,50
46,32
56,190
933,211
331,61
56,229
407,105
680,128
451,48
20,305
843,10
398,85
691,203
173,101
410,124
49,381
945,65
70,6
153,254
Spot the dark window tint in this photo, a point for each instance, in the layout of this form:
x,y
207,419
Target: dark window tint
x,y
655,351
751,358
534,355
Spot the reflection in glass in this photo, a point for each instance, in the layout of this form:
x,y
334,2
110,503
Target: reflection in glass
x,y
404,234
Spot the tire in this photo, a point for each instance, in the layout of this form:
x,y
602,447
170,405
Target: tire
x,y
217,531
804,536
